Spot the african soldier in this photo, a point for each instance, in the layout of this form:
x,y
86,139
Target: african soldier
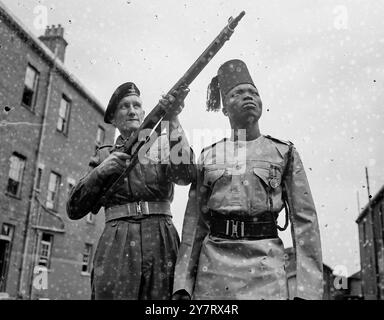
x,y
230,246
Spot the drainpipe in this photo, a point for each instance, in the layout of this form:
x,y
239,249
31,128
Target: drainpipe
x,y
30,214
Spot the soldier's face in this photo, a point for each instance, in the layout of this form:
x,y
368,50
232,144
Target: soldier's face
x,y
242,104
129,114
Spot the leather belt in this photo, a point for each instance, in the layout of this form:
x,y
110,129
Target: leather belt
x,y
230,227
137,209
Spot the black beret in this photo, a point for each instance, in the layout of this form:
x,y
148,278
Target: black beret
x,y
124,90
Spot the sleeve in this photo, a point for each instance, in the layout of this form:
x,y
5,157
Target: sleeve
x,y
305,231
85,196
195,229
180,160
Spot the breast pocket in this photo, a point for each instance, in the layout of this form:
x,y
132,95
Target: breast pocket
x,y
269,176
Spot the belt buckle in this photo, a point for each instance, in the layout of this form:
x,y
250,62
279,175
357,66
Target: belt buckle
x,y
234,224
142,208
138,207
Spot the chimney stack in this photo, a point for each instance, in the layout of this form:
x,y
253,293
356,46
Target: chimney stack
x,y
54,40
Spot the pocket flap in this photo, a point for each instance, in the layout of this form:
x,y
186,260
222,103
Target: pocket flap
x,y
263,174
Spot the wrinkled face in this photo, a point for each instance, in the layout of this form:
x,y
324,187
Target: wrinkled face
x,y
242,104
129,114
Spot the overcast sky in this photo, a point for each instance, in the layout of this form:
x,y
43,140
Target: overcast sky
x,y
318,66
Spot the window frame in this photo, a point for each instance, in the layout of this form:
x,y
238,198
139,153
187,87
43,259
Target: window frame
x,y
55,202
88,263
20,174
98,142
8,252
100,129
49,250
34,90
65,121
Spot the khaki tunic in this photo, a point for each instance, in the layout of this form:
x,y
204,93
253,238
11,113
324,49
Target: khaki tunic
x,y
247,177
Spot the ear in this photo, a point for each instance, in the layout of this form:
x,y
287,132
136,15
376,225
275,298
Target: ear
x,y
225,112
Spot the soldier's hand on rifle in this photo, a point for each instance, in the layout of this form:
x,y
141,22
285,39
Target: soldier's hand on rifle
x,y
115,164
174,103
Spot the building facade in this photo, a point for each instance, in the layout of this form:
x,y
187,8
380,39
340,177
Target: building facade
x,y
371,239
50,126
328,278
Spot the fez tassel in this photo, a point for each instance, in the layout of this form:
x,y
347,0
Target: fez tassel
x,y
162,310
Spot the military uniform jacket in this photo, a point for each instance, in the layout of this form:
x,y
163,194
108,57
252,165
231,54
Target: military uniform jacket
x,y
247,177
135,257
152,179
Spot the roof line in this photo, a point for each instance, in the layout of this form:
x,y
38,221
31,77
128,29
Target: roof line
x,y
36,44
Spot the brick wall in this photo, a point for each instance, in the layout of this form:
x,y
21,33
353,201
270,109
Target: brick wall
x,y
67,155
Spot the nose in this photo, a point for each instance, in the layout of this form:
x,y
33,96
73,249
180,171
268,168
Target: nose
x,y
131,111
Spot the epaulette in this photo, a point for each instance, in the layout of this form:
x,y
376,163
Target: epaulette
x,y
288,143
212,145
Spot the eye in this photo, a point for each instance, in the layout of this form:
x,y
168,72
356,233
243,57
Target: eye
x,y
236,93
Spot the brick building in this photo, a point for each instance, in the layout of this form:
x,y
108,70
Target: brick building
x,y
49,127
371,238
290,267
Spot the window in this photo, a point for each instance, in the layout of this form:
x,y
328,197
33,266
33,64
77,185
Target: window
x,y
6,236
30,87
100,136
16,170
44,258
6,232
53,191
64,112
87,255
38,178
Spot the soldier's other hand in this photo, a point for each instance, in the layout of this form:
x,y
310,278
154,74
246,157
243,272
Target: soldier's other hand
x,y
173,103
114,164
181,295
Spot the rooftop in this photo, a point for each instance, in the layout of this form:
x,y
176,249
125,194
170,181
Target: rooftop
x,y
48,55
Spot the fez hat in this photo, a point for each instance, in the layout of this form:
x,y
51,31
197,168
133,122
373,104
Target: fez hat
x,y
229,75
124,90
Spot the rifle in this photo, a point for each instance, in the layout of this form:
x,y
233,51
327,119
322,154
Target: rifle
x,y
153,119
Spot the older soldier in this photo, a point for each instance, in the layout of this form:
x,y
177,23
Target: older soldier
x,y
137,251
230,247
